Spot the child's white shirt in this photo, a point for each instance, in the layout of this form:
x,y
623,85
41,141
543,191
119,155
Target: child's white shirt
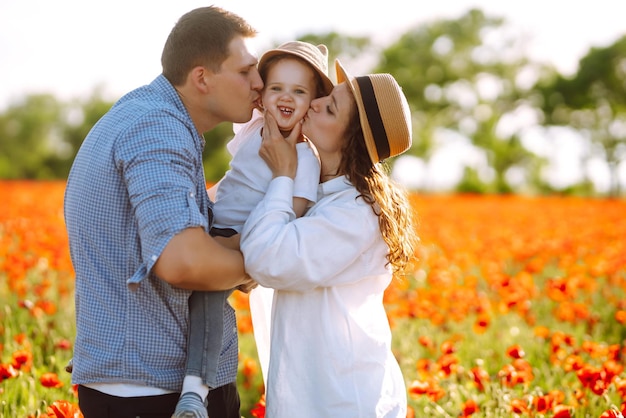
x,y
244,185
238,193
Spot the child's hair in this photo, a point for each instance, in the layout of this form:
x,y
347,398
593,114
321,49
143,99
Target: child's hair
x,y
273,60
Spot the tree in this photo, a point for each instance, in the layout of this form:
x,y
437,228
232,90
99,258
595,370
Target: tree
x,y
216,156
464,77
593,101
346,47
29,132
80,116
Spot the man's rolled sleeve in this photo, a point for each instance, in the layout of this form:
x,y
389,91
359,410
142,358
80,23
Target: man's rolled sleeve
x,y
160,177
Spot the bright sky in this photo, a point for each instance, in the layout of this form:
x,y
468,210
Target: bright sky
x,y
67,47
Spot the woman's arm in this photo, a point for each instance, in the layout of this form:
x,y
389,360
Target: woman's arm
x,y
337,242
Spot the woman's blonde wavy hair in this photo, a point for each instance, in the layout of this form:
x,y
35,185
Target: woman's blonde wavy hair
x,y
388,200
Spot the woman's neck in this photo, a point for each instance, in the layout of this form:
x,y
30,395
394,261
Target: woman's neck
x,y
329,171
327,177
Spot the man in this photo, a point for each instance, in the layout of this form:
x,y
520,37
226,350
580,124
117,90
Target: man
x,y
138,216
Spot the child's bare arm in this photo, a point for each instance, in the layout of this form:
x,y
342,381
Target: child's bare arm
x,y
299,206
231,242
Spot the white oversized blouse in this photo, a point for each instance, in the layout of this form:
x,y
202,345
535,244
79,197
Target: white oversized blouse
x,y
330,353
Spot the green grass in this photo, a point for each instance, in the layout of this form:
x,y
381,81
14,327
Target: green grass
x,y
24,396
42,335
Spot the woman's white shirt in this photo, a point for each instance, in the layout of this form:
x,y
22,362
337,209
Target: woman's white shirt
x,y
330,352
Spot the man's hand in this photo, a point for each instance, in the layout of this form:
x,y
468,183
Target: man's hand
x,y
248,286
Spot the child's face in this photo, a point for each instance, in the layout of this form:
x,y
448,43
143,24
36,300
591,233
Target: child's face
x,y
289,88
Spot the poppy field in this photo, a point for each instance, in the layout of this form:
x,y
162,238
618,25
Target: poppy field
x,y
516,308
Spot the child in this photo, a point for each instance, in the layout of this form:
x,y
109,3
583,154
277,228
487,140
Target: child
x,y
294,74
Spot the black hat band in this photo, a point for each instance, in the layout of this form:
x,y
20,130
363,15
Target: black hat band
x,y
373,116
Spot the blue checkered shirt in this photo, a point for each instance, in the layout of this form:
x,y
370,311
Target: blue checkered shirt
x,y
137,181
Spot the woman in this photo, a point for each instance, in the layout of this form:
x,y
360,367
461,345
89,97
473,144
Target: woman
x,y
330,351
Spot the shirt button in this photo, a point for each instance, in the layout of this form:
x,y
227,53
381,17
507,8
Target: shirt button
x,y
154,258
191,194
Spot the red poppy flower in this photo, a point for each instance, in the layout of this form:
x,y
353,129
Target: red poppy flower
x,y
50,380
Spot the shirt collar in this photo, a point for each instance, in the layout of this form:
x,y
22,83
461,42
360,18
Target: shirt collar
x,y
338,184
167,90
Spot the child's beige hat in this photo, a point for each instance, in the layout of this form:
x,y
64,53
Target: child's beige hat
x,y
317,56
384,113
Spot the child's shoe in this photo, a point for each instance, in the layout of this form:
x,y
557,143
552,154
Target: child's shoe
x,y
190,405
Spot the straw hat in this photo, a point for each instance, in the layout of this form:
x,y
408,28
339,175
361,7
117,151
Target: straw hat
x,y
384,113
317,56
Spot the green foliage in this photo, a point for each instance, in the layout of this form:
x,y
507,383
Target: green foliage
x,y
40,136
445,68
81,117
593,101
471,183
23,130
216,156
44,334
339,45
461,76
601,77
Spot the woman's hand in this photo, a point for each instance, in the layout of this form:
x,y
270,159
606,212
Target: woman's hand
x,y
278,152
